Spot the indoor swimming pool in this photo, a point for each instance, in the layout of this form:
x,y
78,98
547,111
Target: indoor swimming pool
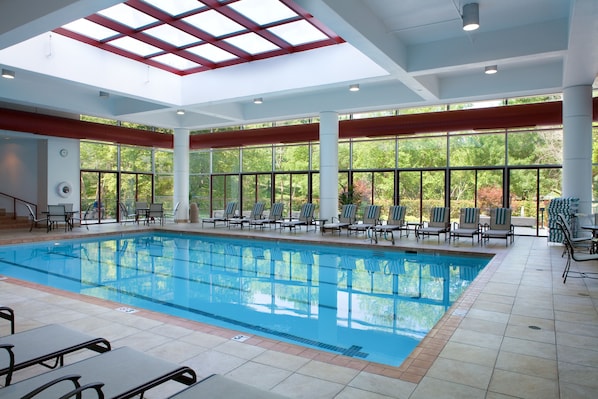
x,y
370,303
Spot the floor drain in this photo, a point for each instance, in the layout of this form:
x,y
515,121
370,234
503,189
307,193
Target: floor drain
x,y
126,310
534,327
240,338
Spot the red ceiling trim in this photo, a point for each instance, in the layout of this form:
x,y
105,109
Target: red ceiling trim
x,y
54,126
513,116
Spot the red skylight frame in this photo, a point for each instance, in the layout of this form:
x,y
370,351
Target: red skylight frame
x,y
222,7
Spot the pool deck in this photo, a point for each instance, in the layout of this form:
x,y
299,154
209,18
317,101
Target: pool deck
x,y
517,332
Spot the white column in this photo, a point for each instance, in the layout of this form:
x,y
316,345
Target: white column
x,y
577,145
181,174
328,165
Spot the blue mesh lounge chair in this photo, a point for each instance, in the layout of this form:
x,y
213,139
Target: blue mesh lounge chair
x,y
306,218
229,213
500,225
218,386
371,218
345,219
395,222
439,224
468,226
121,373
257,213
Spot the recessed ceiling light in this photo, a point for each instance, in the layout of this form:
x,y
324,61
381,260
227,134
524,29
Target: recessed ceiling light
x,y
8,74
354,87
471,17
258,100
491,69
104,94
180,112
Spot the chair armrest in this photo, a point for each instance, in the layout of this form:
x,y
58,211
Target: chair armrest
x,y
97,386
70,377
8,314
11,362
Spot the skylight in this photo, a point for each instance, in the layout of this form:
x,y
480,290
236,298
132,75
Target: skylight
x,y
190,36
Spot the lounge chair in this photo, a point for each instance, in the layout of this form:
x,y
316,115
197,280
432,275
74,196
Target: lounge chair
x,y
124,373
371,218
218,386
439,224
500,225
573,254
125,216
7,313
256,214
173,214
229,213
43,344
395,222
34,219
346,218
156,211
56,215
274,216
306,218
468,226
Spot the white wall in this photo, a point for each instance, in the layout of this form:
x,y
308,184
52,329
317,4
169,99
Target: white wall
x,y
18,171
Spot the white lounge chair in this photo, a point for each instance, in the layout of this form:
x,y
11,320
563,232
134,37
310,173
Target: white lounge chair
x,y
256,214
229,213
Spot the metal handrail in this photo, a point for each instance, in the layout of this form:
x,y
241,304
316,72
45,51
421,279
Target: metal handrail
x,y
16,200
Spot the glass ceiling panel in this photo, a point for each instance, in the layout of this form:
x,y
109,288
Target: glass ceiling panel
x,y
175,61
251,43
222,33
177,7
128,16
211,52
90,29
299,32
171,35
214,23
263,12
134,46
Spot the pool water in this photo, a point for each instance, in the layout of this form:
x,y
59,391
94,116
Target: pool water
x,y
372,304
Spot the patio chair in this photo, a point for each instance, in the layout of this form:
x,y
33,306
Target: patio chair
x,y
156,211
125,216
584,243
43,344
500,225
229,213
122,373
306,218
275,216
468,225
573,254
7,313
439,224
172,215
34,219
346,218
218,386
256,214
395,222
56,216
141,209
371,218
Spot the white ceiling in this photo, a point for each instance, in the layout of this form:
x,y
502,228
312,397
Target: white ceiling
x,y
402,53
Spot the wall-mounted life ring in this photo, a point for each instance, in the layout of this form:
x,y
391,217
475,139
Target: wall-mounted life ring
x,y
64,189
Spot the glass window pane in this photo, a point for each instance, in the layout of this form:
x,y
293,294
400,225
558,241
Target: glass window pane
x,y
199,162
164,161
315,156
490,193
462,190
199,192
98,156
477,150
344,155
523,148
409,195
423,152
384,183
135,159
362,189
225,161
291,157
257,159
432,191
374,154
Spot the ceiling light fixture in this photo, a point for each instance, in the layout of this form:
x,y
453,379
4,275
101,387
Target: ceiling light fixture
x,y
354,87
180,112
104,94
491,69
258,100
471,16
8,74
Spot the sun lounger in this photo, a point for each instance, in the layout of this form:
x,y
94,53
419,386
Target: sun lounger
x,y
274,216
396,221
218,386
229,213
256,214
346,218
44,344
124,373
306,218
468,226
439,224
500,226
371,218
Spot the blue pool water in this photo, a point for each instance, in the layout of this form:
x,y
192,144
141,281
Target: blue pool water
x,y
371,304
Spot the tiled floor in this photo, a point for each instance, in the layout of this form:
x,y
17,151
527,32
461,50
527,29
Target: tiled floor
x,y
518,332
